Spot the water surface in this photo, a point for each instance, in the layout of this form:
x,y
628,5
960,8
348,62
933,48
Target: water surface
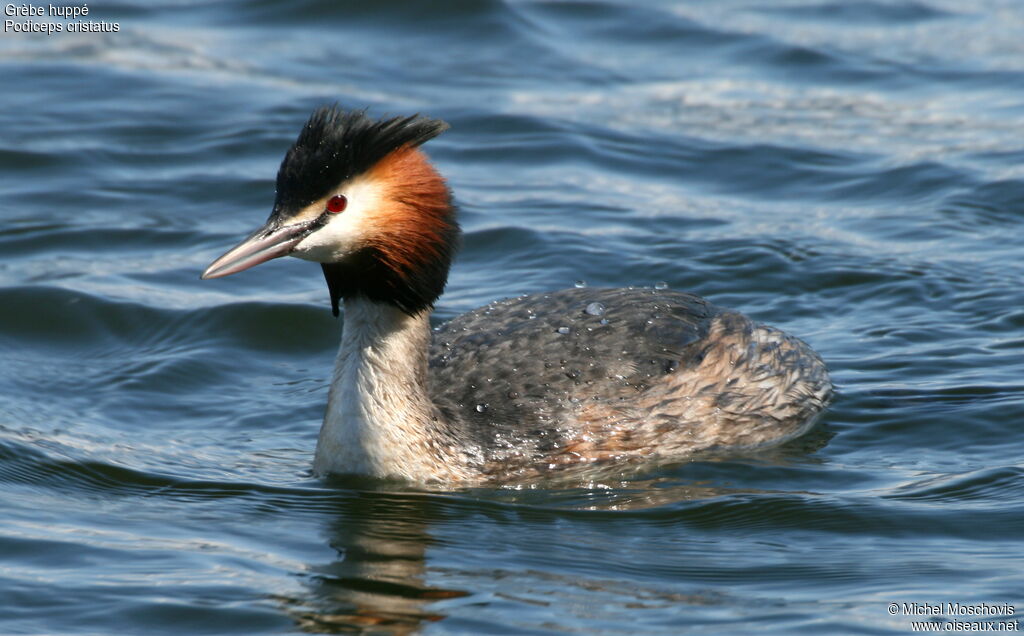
x,y
851,172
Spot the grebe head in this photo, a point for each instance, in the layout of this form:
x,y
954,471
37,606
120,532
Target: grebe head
x,y
358,196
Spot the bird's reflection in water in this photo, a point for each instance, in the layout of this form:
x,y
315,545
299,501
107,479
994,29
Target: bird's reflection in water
x,y
378,584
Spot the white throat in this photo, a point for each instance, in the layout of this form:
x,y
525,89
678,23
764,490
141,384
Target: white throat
x,y
380,420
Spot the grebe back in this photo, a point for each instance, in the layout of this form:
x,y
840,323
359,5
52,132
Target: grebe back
x,y
523,386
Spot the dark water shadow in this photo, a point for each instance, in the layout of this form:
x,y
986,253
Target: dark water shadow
x,y
378,582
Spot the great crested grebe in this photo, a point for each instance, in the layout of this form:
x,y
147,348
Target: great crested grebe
x,y
519,387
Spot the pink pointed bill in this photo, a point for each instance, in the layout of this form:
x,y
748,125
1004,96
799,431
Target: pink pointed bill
x,y
267,243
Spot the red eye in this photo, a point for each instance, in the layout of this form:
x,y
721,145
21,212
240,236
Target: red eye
x,y
337,204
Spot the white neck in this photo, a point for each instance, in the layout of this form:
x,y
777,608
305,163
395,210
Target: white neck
x,y
380,420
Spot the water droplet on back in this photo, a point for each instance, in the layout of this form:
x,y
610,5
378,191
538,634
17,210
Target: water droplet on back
x,y
661,285
580,284
562,330
595,309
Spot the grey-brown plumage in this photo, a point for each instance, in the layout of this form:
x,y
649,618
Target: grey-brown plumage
x,y
582,375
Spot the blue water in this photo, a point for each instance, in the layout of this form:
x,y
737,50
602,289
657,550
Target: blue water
x,y
851,172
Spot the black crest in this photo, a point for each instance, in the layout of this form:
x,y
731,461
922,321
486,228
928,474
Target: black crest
x,y
336,145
